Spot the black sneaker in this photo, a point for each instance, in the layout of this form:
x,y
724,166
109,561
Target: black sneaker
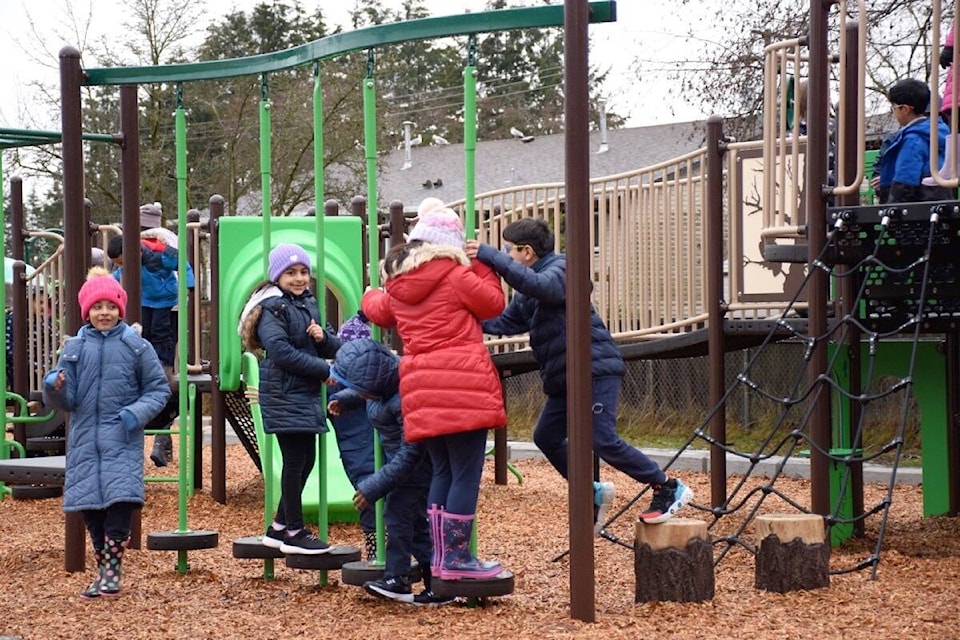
x,y
273,538
303,542
392,588
427,599
668,498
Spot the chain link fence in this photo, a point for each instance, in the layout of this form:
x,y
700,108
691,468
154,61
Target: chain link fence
x,y
662,402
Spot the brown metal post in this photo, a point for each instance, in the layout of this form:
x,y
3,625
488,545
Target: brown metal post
x,y
816,172
848,286
397,223
130,197
952,348
88,233
396,237
500,453
74,244
218,423
130,208
358,207
716,309
20,383
331,209
579,217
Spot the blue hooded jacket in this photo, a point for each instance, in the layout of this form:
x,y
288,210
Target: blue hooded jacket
x,y
368,368
905,162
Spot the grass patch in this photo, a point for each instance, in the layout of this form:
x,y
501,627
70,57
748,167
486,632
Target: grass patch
x,y
645,425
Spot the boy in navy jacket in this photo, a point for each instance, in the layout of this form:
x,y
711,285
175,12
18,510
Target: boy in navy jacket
x,y
538,276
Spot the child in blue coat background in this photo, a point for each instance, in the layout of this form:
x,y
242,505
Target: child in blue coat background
x,y
112,382
355,435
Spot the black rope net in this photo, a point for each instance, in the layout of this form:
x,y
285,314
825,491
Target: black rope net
x,y
239,416
898,261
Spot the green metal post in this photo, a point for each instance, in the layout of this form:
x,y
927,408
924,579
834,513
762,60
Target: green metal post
x,y
180,118
265,162
373,244
470,138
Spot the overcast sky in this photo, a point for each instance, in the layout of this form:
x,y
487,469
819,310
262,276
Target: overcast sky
x,y
644,29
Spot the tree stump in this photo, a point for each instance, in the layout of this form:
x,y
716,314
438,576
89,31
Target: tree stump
x,y
793,553
673,561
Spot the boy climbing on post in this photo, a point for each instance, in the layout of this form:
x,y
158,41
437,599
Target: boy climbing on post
x,y
538,276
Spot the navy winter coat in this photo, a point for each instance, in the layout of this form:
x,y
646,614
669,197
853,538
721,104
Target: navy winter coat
x,y
367,367
106,373
294,369
539,306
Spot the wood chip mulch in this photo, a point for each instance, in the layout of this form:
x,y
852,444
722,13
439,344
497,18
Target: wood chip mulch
x,y
915,595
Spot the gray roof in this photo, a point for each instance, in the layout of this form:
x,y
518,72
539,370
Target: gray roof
x,y
503,163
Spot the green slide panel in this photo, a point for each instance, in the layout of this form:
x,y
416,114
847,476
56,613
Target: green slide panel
x,y
241,270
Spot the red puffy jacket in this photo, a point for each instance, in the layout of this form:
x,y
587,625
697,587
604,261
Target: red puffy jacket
x,y
436,300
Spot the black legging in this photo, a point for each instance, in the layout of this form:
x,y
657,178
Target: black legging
x,y
299,451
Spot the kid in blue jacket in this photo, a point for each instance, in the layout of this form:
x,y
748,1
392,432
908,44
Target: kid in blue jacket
x,y
539,279
112,382
372,372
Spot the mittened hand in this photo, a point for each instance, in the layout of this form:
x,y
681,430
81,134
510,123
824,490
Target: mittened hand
x,y
946,57
359,501
129,421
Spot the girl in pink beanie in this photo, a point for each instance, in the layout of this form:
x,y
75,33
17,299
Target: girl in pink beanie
x,y
111,381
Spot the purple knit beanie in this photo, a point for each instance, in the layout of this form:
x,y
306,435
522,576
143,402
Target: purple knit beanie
x,y
285,256
354,328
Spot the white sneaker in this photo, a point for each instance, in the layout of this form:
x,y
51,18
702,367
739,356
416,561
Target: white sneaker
x,y
603,494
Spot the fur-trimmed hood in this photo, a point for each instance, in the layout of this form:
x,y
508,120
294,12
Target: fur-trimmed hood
x,y
414,273
419,254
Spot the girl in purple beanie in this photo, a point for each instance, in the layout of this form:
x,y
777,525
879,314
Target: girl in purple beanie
x,y
282,319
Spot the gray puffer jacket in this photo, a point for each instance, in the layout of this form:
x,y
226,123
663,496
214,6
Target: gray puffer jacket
x,y
106,373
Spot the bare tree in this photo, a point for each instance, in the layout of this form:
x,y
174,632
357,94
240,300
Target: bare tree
x,y
722,71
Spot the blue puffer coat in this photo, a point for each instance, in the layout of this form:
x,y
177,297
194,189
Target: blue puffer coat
x,y
294,369
367,367
539,306
106,373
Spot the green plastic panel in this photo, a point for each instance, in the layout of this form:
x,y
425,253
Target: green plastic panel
x,y
241,270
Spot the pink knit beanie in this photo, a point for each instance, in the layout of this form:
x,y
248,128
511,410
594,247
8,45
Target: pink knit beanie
x,y
100,285
438,224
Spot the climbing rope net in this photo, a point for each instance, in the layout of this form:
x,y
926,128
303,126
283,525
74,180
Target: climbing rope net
x,y
901,261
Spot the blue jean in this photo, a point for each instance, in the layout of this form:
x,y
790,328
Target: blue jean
x,y
457,466
112,522
550,434
408,530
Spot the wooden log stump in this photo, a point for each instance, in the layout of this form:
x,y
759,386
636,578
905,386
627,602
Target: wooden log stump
x,y
793,553
673,561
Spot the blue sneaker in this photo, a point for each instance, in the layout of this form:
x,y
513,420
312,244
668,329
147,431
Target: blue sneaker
x,y
603,493
668,498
